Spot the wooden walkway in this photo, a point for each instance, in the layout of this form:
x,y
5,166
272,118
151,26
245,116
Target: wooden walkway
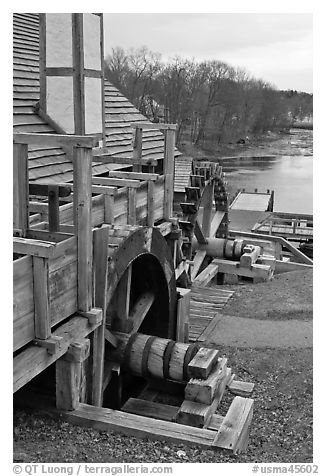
x,y
257,201
205,303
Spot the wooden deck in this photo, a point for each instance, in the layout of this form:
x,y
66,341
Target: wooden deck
x,y
290,226
253,201
205,303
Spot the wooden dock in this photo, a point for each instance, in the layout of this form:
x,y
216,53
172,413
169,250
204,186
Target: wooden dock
x,y
294,227
257,201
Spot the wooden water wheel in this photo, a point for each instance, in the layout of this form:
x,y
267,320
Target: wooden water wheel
x,y
207,190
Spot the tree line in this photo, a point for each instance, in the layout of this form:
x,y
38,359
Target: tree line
x,y
211,101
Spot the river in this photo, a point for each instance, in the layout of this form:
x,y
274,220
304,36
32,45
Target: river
x,y
289,173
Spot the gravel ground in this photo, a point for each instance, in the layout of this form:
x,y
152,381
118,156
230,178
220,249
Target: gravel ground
x,y
287,296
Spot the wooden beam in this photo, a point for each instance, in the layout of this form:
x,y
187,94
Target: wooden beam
x,y
234,430
158,411
104,419
152,125
113,159
201,238
198,261
139,311
83,224
202,364
150,203
168,171
207,203
42,190
250,256
205,390
137,149
20,187
134,175
69,377
42,318
243,389
56,140
53,199
32,247
206,275
100,269
116,182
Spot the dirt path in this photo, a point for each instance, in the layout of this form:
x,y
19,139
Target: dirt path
x,y
276,314
245,332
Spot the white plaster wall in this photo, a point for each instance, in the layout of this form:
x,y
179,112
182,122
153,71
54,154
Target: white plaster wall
x,y
91,33
58,40
60,103
93,106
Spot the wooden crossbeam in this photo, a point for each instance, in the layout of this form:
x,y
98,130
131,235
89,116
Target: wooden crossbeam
x,y
199,234
116,182
134,175
56,140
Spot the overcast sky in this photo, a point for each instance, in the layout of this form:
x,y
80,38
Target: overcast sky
x,y
275,47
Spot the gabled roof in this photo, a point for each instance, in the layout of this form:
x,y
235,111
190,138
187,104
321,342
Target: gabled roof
x,y
48,164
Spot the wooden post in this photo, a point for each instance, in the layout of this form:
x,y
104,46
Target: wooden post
x,y
100,260
168,170
20,187
42,322
137,149
150,203
82,221
53,200
70,376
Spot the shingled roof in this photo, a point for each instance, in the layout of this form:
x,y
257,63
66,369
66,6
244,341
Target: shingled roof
x,y
48,164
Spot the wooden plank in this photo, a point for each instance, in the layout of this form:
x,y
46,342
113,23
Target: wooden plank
x,y
206,275
56,140
209,329
82,222
146,408
243,389
20,188
116,182
42,320
32,247
123,300
104,419
207,203
33,360
44,235
202,364
233,433
139,311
